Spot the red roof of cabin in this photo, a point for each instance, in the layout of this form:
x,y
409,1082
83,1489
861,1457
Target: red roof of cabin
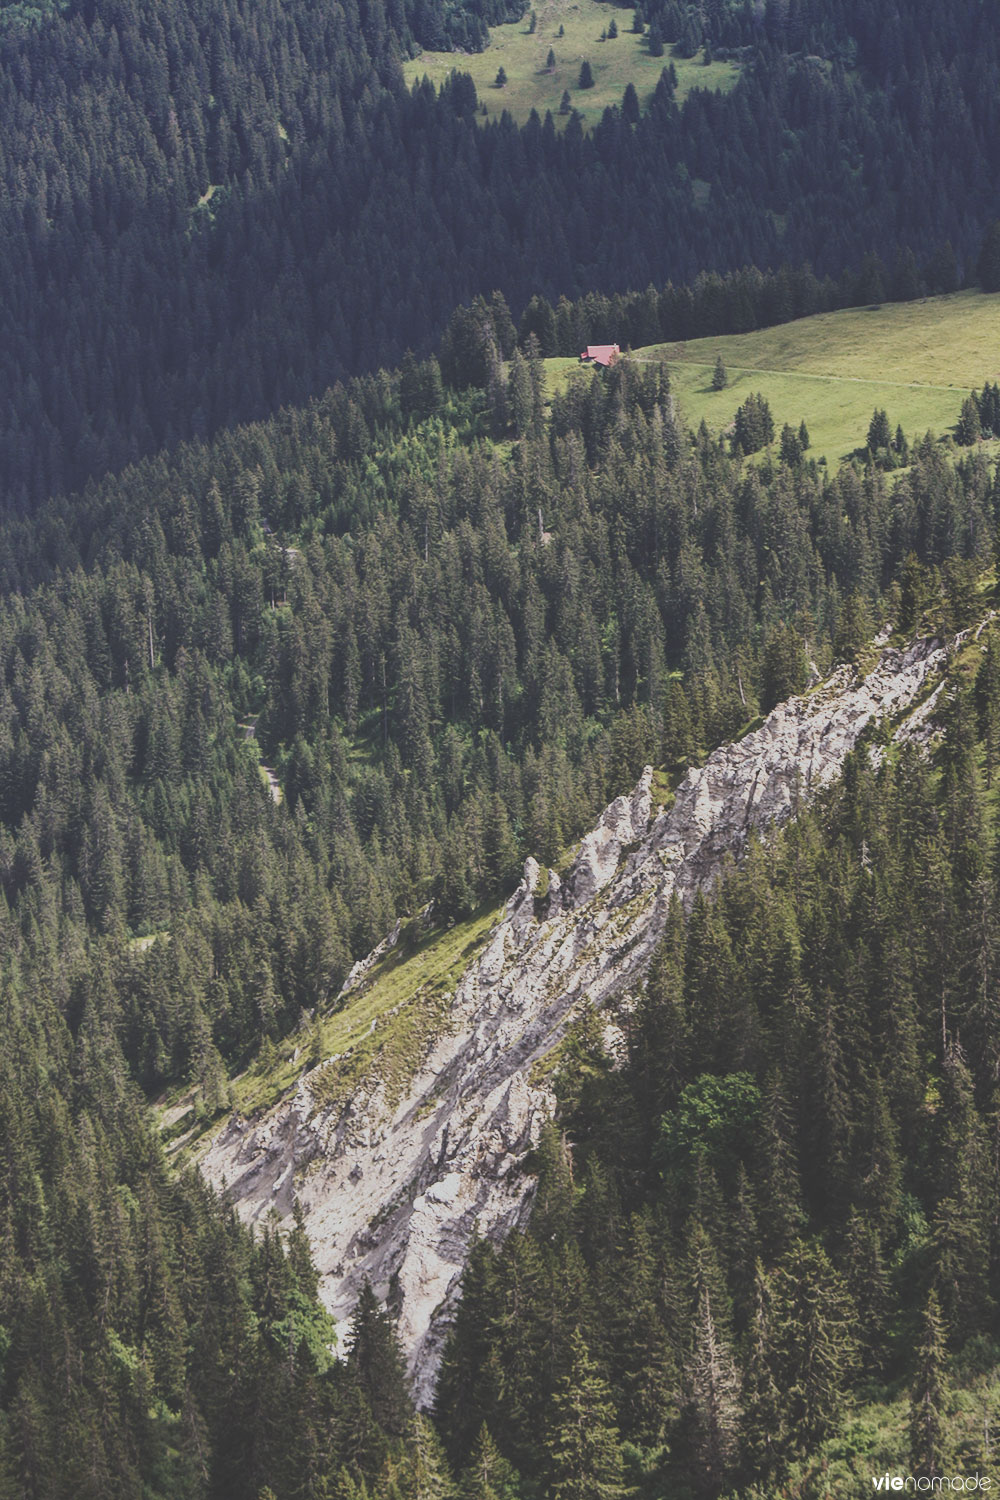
x,y
600,354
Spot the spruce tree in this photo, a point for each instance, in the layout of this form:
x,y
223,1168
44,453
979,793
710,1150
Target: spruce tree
x,y
928,1394
584,1458
487,1475
814,1341
586,79
879,431
377,1362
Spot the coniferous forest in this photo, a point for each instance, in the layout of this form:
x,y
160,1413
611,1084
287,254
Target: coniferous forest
x,y
282,485
211,209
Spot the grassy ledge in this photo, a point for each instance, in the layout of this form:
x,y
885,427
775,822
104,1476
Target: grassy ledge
x,y
381,1033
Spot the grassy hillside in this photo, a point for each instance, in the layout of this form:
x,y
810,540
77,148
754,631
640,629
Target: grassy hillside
x,y
530,85
918,360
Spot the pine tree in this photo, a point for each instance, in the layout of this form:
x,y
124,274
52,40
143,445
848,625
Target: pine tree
x,y
552,1217
467,1395
783,671
791,448
657,1032
586,79
720,376
642,1365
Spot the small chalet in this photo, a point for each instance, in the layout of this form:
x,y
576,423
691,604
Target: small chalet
x,y
600,354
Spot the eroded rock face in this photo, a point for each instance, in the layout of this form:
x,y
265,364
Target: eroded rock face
x,y
394,1193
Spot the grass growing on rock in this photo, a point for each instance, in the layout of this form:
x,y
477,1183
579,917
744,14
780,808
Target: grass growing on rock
x,y
385,1026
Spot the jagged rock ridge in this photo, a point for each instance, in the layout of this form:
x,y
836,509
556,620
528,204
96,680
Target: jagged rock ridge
x,y
393,1192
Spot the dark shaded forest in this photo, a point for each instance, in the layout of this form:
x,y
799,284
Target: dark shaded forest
x,y
208,211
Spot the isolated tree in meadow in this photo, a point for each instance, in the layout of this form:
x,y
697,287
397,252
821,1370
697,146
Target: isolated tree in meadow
x,y
612,29
550,61
791,448
753,425
501,78
533,24
720,376
638,21
969,429
879,433
564,104
586,75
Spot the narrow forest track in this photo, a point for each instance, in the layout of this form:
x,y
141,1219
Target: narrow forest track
x,y
249,728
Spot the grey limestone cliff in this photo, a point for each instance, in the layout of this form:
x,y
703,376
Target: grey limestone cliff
x,y
393,1191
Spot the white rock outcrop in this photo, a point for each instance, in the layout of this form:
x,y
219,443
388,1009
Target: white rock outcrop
x,y
395,1192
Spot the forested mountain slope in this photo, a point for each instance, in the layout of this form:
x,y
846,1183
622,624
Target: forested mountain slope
x,y
397,1168
208,211
458,624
